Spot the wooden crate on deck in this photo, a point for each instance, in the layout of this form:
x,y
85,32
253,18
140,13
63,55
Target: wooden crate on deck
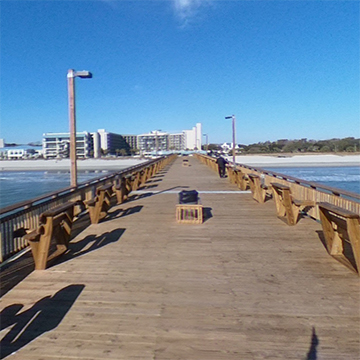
x,y
189,214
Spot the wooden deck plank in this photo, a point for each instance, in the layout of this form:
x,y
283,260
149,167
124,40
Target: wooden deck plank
x,y
242,285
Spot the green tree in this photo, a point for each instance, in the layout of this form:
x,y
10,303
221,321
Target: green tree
x,y
214,147
325,148
104,152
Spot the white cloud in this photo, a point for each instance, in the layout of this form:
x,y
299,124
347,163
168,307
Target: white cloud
x,y
186,9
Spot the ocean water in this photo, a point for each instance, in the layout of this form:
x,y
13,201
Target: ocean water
x,y
20,186
340,177
17,186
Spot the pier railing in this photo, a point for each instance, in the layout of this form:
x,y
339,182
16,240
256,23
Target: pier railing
x,y
16,218
301,189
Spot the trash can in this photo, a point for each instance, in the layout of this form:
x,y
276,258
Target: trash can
x,y
189,197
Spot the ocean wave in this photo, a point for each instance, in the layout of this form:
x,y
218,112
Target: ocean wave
x,y
43,178
331,178
30,184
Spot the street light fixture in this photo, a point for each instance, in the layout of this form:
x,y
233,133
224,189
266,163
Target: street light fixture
x,y
233,134
71,75
207,143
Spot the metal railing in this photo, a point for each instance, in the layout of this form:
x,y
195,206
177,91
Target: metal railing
x,y
16,218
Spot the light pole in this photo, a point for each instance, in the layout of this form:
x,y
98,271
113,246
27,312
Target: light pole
x,y
156,143
207,143
71,75
233,135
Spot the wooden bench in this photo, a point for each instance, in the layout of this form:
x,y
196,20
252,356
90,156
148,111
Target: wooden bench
x,y
146,174
54,224
99,206
190,213
287,207
258,190
124,188
341,230
242,180
232,174
238,177
136,181
120,189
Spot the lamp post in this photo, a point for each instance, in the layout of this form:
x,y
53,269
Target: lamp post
x,y
156,143
233,134
207,143
71,75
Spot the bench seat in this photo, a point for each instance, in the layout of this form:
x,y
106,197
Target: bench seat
x,y
287,207
98,206
54,226
259,191
341,229
127,184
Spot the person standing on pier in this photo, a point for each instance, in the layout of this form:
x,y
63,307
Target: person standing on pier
x,y
221,166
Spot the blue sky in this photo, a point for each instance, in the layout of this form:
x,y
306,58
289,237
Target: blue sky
x,y
286,69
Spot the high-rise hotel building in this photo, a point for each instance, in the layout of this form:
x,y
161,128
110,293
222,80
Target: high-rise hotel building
x,y
87,145
58,145
102,142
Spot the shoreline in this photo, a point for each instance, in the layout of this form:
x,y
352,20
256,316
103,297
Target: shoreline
x,y
273,160
97,165
302,160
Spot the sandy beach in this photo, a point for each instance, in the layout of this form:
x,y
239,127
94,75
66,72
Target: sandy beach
x,y
315,160
117,164
64,164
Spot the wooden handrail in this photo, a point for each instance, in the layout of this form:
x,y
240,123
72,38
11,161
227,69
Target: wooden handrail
x,y
26,214
302,189
65,191
312,184
292,179
337,210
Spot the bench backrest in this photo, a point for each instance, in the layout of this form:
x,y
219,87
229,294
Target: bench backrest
x,y
57,210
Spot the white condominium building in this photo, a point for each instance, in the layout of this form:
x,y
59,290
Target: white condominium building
x,y
87,145
131,140
58,145
162,141
153,141
101,142
193,138
177,141
111,143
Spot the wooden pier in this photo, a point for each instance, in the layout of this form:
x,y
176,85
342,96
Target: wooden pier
x,y
139,285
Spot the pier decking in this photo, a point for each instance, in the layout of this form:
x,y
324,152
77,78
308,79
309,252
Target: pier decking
x,y
138,285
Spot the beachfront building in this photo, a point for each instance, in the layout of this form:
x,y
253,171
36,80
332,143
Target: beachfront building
x,y
57,145
16,154
2,143
131,140
193,137
154,141
96,145
177,141
112,144
161,141
227,147
20,152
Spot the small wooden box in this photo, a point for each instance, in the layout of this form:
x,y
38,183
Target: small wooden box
x,y
189,214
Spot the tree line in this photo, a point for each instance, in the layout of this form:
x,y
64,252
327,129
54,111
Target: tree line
x,y
349,144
